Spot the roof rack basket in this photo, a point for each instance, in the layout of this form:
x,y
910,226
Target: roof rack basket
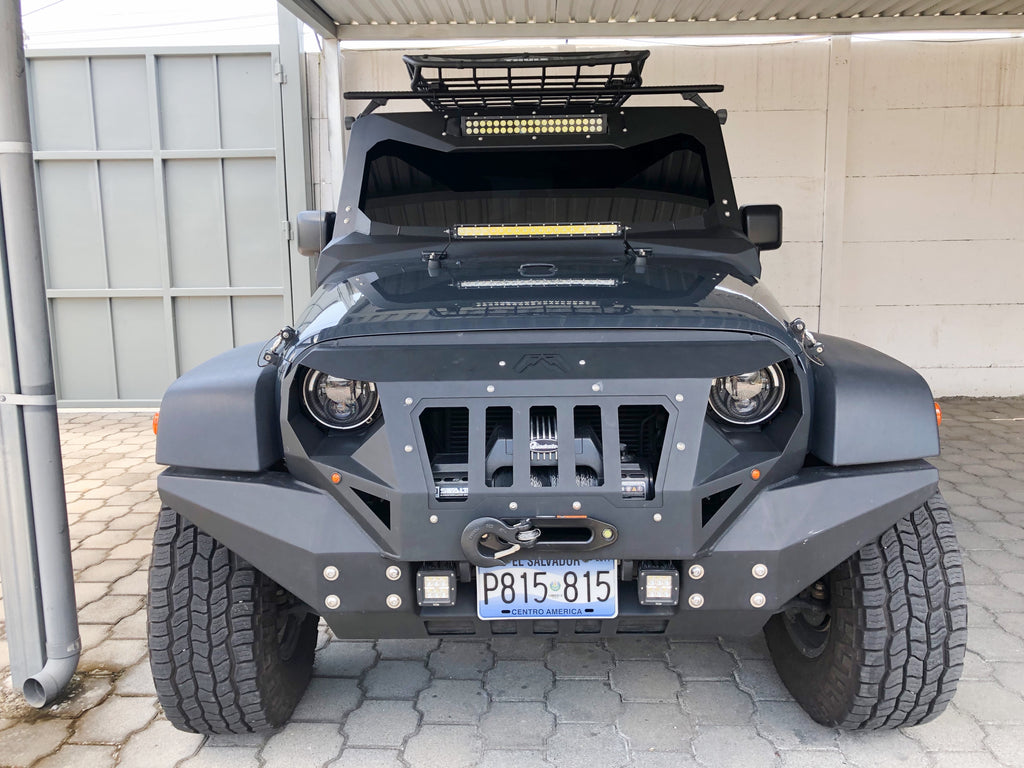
x,y
528,81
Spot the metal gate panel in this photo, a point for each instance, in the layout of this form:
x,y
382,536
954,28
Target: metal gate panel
x,y
163,210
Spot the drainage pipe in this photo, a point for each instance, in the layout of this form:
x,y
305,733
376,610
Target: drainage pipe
x,y
40,507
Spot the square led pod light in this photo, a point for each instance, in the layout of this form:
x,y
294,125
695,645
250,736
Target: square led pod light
x,y
658,586
435,587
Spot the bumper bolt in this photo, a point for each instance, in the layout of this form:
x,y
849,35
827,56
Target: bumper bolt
x,y
513,506
696,600
394,601
408,401
577,506
758,600
679,398
759,571
606,533
433,518
333,602
394,573
331,573
696,571
656,517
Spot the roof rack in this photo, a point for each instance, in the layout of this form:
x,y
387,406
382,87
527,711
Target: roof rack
x,y
528,81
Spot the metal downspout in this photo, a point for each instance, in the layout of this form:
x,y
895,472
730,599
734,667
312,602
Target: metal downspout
x,y
34,504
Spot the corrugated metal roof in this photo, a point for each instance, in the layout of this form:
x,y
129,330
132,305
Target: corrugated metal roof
x,y
644,18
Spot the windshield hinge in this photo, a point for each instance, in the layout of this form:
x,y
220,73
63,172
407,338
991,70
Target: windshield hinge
x,y
286,227
273,351
279,76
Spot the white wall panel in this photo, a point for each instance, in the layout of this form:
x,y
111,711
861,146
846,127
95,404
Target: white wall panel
x,y
935,207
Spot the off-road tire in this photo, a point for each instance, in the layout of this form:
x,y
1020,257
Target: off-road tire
x,y
897,630
221,661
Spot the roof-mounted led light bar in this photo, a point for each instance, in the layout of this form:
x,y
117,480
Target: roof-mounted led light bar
x,y
534,126
469,231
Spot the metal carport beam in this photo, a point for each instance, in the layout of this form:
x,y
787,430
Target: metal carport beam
x,y
820,18
647,30
35,552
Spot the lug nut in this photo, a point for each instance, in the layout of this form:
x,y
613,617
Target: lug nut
x,y
394,573
696,600
394,601
759,571
333,602
696,571
758,600
331,573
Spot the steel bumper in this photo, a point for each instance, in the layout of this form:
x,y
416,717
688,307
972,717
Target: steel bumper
x,y
797,529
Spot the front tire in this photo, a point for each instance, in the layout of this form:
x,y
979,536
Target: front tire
x,y
888,647
230,650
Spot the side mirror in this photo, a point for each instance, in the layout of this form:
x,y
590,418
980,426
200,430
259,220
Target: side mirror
x,y
762,224
313,230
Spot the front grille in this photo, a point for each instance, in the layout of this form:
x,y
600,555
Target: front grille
x,y
519,446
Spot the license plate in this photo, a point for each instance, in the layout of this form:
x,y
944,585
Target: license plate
x,y
548,589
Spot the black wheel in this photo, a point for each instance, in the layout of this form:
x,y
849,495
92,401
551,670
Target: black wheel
x,y
879,642
230,650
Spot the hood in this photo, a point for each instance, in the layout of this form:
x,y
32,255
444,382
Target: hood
x,y
572,288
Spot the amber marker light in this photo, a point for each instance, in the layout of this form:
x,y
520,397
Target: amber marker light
x,y
335,478
938,414
156,420
755,474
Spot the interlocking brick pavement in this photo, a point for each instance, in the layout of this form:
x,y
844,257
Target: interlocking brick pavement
x,y
645,702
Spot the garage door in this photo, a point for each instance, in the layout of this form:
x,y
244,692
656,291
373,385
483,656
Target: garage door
x,y
161,191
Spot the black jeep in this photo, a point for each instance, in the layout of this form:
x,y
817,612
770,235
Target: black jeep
x,y
541,391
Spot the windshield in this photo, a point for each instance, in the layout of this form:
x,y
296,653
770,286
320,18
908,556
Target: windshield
x,y
657,182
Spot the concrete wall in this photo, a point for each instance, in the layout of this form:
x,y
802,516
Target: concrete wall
x,y
900,167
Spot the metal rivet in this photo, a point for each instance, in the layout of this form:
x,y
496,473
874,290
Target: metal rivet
x,y
596,386
725,201
727,214
348,208
696,600
679,398
433,518
345,221
394,573
490,387
607,533
331,573
680,446
583,362
333,602
577,506
696,571
657,517
394,601
408,449
513,506
758,600
501,363
760,571
408,401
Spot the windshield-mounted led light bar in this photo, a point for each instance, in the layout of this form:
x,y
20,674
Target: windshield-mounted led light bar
x,y
534,126
607,229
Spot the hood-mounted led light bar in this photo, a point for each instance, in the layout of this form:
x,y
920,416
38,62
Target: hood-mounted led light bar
x,y
523,231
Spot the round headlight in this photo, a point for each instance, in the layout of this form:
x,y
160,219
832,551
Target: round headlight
x,y
339,403
748,398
